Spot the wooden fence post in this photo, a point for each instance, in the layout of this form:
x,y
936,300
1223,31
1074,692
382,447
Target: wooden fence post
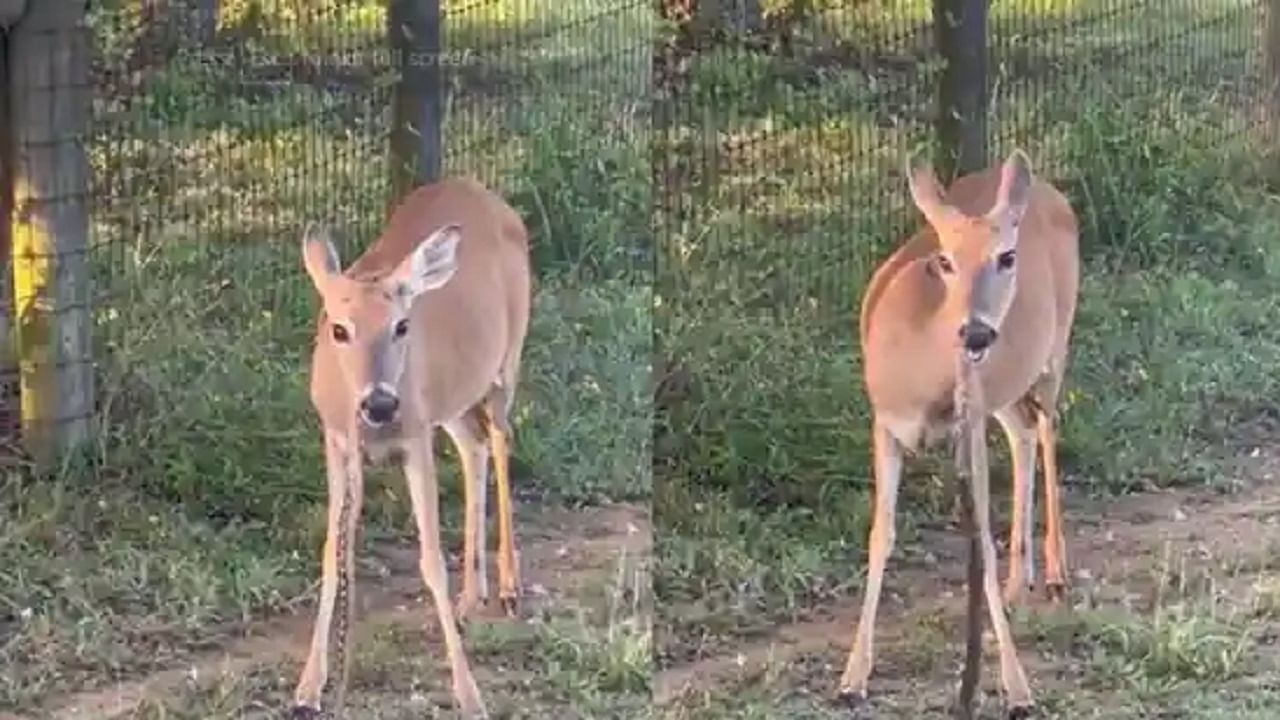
x,y
7,15
960,28
49,94
413,30
10,11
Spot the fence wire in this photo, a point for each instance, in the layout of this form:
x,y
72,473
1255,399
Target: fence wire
x,y
783,129
220,128
771,184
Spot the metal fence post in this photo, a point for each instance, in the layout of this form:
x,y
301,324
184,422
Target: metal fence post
x,y
960,28
417,106
49,105
1271,49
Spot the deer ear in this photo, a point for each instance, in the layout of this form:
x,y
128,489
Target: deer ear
x,y
319,255
926,193
431,264
1015,188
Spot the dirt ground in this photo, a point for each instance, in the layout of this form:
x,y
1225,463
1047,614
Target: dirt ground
x,y
584,573
1173,614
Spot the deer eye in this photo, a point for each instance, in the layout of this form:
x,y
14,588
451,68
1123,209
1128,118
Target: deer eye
x,y
944,264
402,328
1004,260
340,334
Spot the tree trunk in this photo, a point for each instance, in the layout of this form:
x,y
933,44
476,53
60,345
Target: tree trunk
x,y
961,33
49,94
10,11
413,28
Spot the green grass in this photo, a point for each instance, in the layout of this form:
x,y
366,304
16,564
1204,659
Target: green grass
x,y
1188,645
777,693
101,580
206,522
1176,638
585,657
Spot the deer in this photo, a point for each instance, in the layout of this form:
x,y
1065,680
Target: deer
x,y
423,331
992,278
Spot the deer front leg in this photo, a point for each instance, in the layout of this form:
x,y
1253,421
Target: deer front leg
x,y
337,580
473,454
499,445
420,475
888,472
1012,677
1021,433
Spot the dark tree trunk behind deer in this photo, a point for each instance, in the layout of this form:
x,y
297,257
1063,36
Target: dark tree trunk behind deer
x,y
413,28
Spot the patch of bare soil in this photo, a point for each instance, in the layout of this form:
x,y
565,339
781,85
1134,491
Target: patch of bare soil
x,y
560,552
1119,549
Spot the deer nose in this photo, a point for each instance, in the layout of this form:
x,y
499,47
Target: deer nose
x,y
379,407
977,336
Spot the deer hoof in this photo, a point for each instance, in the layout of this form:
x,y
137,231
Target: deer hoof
x,y
852,699
1019,712
467,606
1056,591
1014,594
510,605
304,712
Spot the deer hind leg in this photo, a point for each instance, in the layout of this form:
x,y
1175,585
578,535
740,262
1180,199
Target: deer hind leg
x,y
468,436
1045,405
1055,542
498,407
337,581
1012,677
420,475
1019,425
888,473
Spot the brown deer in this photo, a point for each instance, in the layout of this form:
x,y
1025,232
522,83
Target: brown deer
x,y
994,274
424,330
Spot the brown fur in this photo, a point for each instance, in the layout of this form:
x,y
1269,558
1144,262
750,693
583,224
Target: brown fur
x,y
941,279
480,314
903,302
458,372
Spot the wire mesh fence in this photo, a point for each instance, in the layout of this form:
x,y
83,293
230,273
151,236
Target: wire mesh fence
x,y
220,128
783,136
1055,66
